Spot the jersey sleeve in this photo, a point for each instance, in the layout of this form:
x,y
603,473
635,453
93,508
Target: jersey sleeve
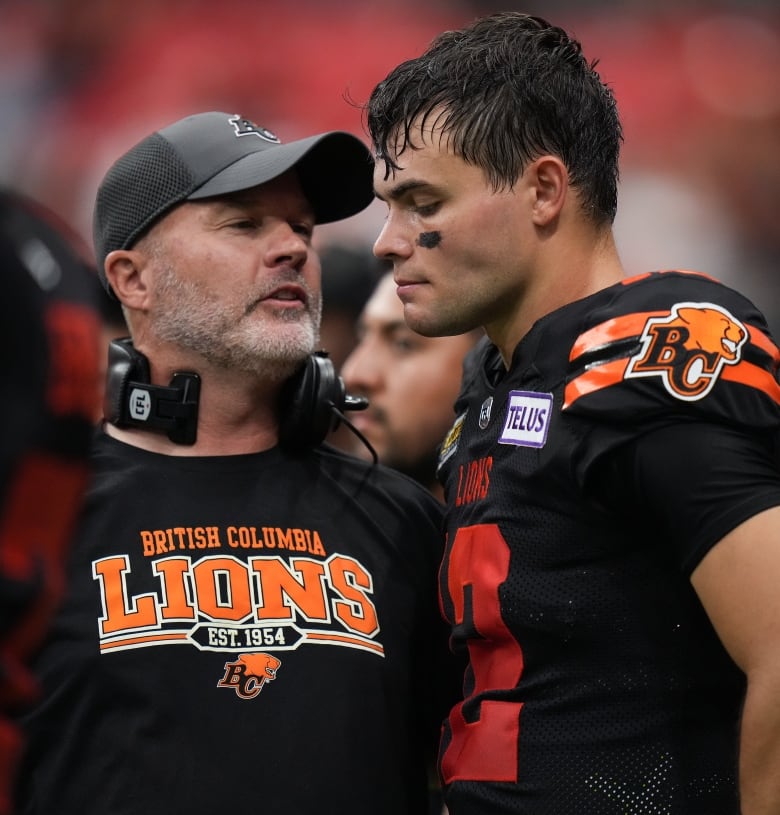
x,y
674,391
686,486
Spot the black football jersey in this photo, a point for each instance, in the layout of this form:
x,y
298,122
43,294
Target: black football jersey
x,y
634,429
250,633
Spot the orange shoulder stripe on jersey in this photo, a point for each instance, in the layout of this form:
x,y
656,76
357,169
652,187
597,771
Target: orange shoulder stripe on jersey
x,y
594,379
618,328
690,273
603,376
762,341
754,377
632,325
627,281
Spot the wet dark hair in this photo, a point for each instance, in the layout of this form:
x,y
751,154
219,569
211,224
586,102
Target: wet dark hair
x,y
506,90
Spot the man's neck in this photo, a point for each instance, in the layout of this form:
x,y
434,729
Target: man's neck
x,y
565,277
251,438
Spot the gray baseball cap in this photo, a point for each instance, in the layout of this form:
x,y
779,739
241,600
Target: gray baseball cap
x,y
216,153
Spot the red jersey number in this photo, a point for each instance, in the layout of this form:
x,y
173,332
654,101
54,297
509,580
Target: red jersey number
x,y
485,749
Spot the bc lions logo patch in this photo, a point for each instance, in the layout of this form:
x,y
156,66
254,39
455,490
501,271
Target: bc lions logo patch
x,y
688,348
249,673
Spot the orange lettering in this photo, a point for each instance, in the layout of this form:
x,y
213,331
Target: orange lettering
x,y
120,612
147,539
280,588
175,605
356,611
231,602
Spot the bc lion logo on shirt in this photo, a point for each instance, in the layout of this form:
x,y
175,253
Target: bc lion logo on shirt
x,y
247,675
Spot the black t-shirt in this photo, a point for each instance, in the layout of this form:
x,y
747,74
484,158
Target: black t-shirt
x,y
254,633
634,430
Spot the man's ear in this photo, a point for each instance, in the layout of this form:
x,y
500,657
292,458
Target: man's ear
x,y
124,272
550,180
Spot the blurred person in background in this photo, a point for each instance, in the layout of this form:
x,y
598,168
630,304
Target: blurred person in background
x,y
411,382
612,478
349,275
50,338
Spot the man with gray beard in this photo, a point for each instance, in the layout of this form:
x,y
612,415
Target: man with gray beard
x,y
250,622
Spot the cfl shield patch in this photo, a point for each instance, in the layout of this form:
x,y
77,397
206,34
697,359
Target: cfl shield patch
x,y
528,416
450,443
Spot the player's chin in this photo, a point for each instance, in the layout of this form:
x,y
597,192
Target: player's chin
x,y
425,323
423,317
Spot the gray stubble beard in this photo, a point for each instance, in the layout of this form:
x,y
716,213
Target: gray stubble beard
x,y
264,348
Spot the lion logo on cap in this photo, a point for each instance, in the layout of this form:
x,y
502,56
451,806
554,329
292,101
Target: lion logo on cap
x,y
688,348
243,127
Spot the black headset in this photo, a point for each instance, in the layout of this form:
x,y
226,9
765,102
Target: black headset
x,y
312,402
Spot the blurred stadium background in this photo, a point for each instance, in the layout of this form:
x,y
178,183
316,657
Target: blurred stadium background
x,y
698,84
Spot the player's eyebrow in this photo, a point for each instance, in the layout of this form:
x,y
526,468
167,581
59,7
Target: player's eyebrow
x,y
400,189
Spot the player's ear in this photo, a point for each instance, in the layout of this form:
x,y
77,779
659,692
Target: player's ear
x,y
125,272
549,179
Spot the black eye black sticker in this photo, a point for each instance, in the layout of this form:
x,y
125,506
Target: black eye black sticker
x,y
429,240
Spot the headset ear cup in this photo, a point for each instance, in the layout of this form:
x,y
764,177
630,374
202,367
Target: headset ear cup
x,y
124,364
308,399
